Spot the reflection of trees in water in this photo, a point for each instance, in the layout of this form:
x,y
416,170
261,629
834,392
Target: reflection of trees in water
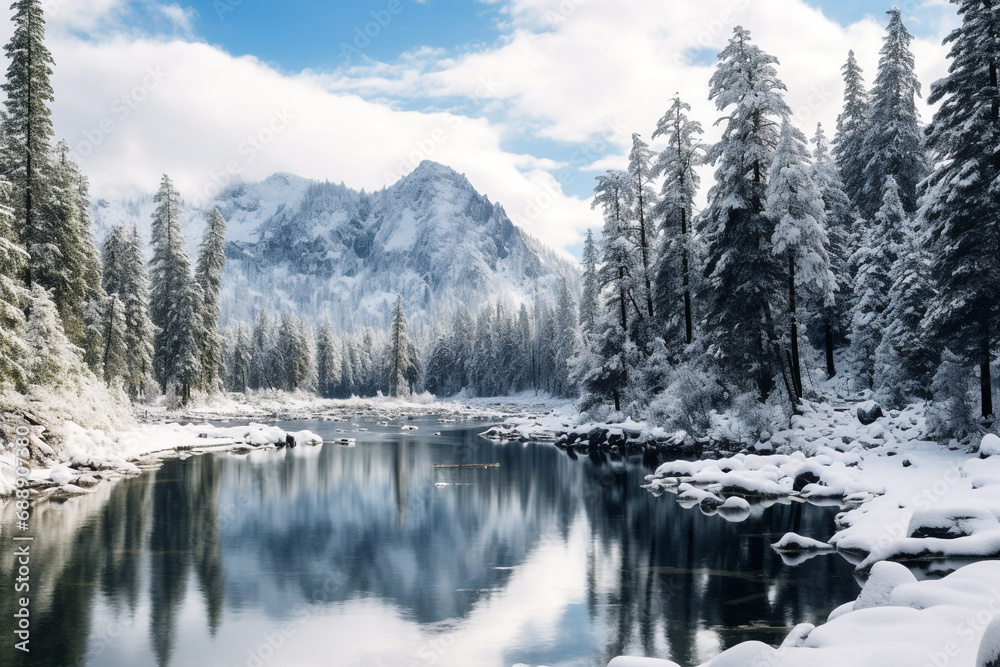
x,y
338,524
682,571
168,517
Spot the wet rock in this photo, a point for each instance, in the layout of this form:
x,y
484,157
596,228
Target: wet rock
x,y
597,436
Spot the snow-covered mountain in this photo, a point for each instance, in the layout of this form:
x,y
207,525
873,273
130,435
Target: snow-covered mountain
x,y
320,249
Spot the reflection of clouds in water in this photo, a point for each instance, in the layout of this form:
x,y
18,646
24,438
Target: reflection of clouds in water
x,y
544,560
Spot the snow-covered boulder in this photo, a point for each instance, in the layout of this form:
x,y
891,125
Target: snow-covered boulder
x,y
885,577
990,446
793,543
950,523
869,413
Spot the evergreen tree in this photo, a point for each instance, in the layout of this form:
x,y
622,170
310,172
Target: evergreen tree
x,y
124,279
906,359
591,296
795,205
874,260
614,195
852,125
114,360
677,163
208,275
27,128
241,359
743,274
892,145
52,360
833,321
644,199
962,202
328,366
176,300
12,295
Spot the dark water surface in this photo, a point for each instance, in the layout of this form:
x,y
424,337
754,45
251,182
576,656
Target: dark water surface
x,y
370,556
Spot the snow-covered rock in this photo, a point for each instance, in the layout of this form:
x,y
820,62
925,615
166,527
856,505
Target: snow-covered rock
x,y
629,661
793,543
990,446
989,646
885,577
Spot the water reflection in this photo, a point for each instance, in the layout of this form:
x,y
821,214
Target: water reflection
x,y
372,556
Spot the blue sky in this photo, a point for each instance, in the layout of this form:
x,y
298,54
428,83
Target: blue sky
x,y
300,34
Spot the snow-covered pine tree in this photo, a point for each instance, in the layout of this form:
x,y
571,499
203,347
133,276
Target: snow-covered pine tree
x,y
13,258
852,125
175,301
124,278
591,295
564,324
208,275
743,274
401,373
640,167
892,145
263,353
52,359
27,127
240,359
114,361
961,206
677,164
328,365
830,325
795,206
614,195
874,260
906,359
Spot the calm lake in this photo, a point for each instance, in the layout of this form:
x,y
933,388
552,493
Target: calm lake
x,y
371,556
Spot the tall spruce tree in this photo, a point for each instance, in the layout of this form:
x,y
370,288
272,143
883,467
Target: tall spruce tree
x,y
832,321
892,144
795,205
743,274
591,293
852,126
402,366
677,164
124,278
12,297
208,275
328,363
175,302
644,199
872,284
962,203
27,128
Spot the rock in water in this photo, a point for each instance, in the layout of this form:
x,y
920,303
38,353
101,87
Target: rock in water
x,y
989,646
869,412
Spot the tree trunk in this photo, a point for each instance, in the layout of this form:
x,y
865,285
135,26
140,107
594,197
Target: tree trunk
x,y
618,403
621,299
831,369
796,367
645,254
985,379
688,326
773,336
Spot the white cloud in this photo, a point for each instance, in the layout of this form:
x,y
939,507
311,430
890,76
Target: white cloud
x,y
570,74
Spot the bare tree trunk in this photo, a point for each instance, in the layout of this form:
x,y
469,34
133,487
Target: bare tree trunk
x,y
796,367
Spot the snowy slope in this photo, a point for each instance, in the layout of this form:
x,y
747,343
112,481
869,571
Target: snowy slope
x,y
321,249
